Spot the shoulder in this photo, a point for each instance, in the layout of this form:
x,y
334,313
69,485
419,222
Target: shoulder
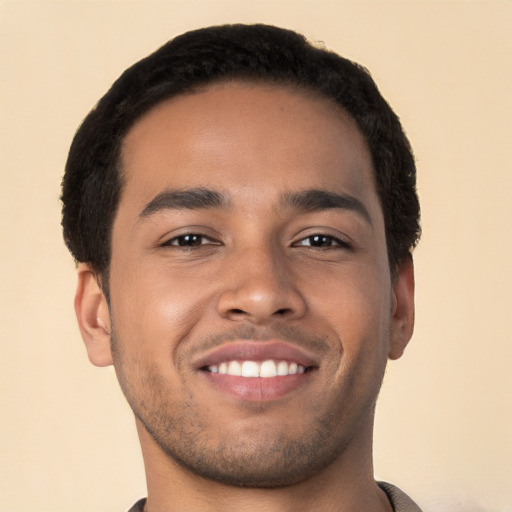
x,y
400,501
139,506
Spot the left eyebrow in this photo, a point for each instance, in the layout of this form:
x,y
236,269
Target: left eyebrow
x,y
316,200
188,199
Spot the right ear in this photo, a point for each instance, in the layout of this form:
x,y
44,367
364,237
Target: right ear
x,y
91,308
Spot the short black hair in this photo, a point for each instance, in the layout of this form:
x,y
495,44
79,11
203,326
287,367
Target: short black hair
x,y
93,182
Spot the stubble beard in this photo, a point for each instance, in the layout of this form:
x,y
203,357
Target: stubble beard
x,y
259,459
262,460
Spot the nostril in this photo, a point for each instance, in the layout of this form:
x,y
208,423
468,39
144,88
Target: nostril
x,y
278,312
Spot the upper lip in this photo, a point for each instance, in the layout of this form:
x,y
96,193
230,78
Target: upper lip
x,y
249,350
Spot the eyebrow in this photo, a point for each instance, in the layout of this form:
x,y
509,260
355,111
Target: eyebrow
x,y
310,200
314,200
189,199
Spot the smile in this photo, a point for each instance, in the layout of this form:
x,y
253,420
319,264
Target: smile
x,y
256,371
265,369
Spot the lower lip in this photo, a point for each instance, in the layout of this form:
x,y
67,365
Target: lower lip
x,y
257,389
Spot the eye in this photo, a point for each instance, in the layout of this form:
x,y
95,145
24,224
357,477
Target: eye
x,y
320,241
189,240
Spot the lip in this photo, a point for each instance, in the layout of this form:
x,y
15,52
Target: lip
x,y
257,389
249,350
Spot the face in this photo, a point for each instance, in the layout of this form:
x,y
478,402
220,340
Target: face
x,y
251,304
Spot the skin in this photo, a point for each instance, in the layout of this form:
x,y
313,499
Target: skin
x,y
254,274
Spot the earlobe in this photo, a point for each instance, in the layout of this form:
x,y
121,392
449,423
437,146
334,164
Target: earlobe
x,y
402,320
93,317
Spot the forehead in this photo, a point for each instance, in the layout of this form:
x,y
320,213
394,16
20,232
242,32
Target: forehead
x,y
250,139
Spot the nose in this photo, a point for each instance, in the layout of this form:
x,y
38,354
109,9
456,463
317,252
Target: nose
x,y
260,288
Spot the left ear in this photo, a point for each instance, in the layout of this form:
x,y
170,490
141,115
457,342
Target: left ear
x,y
402,319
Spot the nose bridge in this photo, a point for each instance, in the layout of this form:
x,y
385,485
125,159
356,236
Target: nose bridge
x,y
263,269
260,285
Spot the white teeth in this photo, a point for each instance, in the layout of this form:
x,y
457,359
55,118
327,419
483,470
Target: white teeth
x,y
265,369
250,369
282,368
235,368
268,369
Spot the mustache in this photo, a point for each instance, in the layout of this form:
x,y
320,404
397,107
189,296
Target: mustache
x,y
298,337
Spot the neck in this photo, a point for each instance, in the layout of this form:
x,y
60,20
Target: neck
x,y
344,486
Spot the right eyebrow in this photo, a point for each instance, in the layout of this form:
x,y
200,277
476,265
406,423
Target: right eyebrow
x,y
188,199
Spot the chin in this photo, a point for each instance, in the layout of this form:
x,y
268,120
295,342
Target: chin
x,y
254,460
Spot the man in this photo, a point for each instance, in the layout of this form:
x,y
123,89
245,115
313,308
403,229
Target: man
x,y
242,206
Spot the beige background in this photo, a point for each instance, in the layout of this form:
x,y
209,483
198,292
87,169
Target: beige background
x,y
443,428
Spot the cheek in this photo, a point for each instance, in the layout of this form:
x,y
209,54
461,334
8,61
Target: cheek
x,y
357,306
154,309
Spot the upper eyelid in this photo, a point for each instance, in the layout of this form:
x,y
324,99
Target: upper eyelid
x,y
172,233
167,241
340,237
340,241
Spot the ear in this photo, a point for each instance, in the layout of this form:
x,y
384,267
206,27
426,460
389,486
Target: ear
x,y
93,317
402,320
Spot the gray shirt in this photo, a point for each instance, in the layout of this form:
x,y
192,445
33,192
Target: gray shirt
x,y
399,500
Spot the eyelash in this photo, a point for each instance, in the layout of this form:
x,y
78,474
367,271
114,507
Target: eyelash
x,y
182,242
175,241
334,242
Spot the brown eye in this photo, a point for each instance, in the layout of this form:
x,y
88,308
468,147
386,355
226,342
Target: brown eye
x,y
318,241
188,240
321,241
